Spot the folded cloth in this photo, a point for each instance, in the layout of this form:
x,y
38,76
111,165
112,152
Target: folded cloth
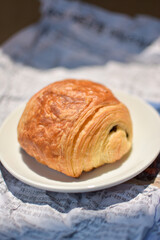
x,y
156,106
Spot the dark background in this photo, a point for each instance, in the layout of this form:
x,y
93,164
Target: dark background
x,y
17,14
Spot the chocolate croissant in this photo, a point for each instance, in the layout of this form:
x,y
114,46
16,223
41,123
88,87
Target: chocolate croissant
x,y
74,126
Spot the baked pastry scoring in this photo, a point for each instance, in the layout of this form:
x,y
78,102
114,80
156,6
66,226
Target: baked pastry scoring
x,y
74,126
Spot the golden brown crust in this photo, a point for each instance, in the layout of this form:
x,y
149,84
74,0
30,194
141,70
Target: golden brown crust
x,y
74,126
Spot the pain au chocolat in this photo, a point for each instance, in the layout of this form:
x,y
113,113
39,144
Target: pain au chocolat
x,y
74,126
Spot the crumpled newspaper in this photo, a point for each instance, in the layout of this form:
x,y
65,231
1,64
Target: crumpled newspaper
x,y
111,48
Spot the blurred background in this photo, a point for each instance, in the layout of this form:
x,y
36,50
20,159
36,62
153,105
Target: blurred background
x,y
17,14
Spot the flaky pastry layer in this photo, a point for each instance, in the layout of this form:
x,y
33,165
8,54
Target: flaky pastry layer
x,y
74,126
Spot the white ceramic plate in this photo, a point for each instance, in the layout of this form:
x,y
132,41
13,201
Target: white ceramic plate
x,y
146,146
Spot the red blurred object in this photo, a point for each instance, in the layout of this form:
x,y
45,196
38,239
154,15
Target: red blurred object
x,y
151,172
